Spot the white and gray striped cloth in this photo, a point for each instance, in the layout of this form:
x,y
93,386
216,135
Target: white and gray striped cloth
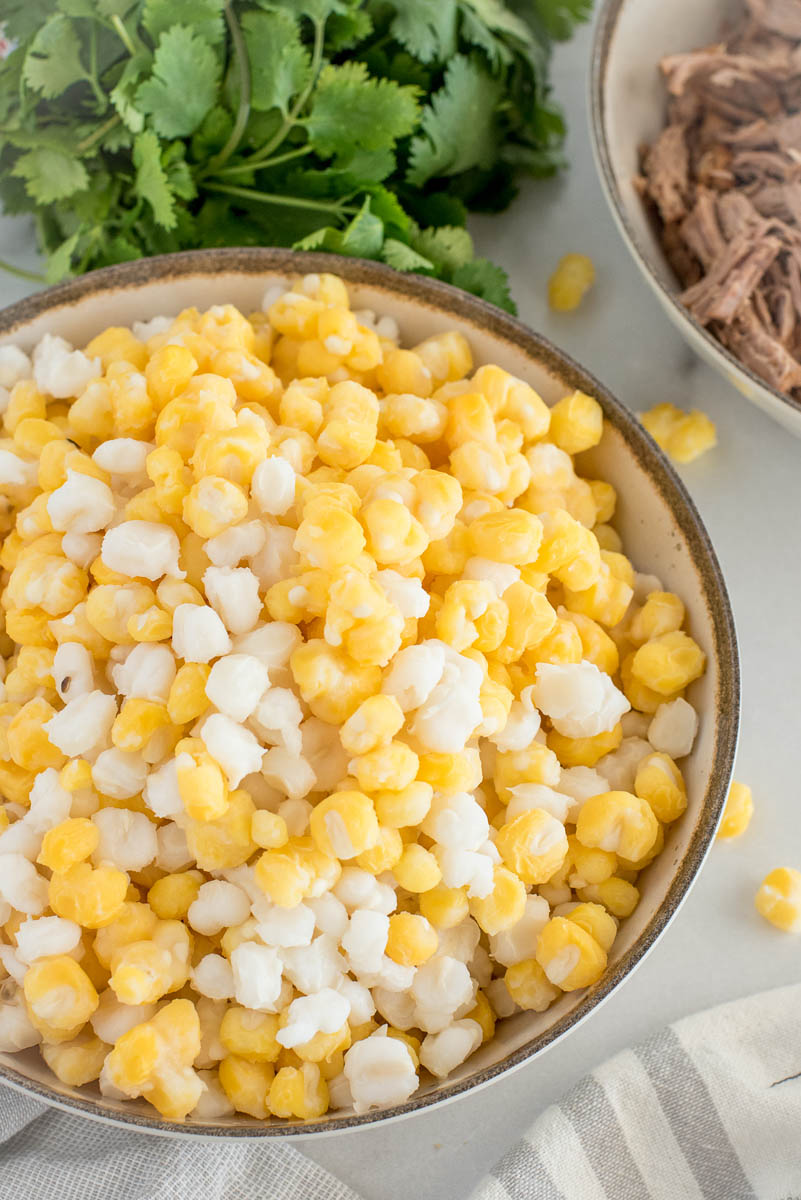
x,y
704,1110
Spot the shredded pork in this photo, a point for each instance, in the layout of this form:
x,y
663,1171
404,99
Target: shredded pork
x,y
724,182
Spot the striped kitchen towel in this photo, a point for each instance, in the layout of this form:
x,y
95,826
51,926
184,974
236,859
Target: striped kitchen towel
x,y
707,1108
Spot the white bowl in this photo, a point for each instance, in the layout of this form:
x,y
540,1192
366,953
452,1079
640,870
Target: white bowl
x,y
661,531
627,103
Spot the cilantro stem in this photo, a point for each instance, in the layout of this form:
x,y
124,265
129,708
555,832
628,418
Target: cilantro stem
x,y
257,163
100,132
243,110
285,201
291,118
21,272
123,35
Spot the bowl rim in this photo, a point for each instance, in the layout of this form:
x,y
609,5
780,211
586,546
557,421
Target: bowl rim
x,y
603,36
444,298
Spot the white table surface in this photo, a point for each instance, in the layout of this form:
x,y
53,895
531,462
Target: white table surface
x,y
748,491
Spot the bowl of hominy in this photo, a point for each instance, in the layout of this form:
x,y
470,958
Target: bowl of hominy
x,y
371,694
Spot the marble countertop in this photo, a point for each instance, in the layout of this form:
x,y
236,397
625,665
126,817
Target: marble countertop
x,y
749,494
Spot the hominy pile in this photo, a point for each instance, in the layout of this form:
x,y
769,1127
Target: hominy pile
x,y
335,724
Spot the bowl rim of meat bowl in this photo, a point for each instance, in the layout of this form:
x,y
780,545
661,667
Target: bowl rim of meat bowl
x,y
442,298
605,29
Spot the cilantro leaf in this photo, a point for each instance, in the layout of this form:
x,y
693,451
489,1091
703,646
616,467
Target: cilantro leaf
x,y
280,65
498,19
487,280
459,125
152,183
60,261
50,174
316,10
448,247
560,17
426,28
183,86
400,256
53,62
123,94
203,17
351,112
362,238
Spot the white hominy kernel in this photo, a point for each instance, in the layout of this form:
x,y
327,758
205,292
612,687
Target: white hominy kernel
x,y
14,366
173,852
323,750
218,905
82,504
620,766
520,941
271,644
83,724
330,914
213,1102
460,940
81,548
526,796
325,1012
161,793
13,964
16,471
148,672
236,683
398,1008
73,670
673,728
408,595
379,1071
50,803
277,557
498,995
20,838
580,700
233,593
311,968
145,330
522,725
356,888
277,719
119,774
289,773
285,927
447,718
127,839
465,868
210,1014
414,673
198,634
60,371
273,486
143,549
360,1002
234,748
456,820
442,983
22,885
364,940
441,1053
123,456
111,1019
257,976
644,585
635,724
228,548
580,783
16,1030
44,936
500,575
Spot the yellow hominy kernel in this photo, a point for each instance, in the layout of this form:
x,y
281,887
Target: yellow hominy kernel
x,y
737,813
70,842
572,279
684,436
569,955
778,899
89,897
411,940
417,870
660,782
668,663
171,896
529,986
268,829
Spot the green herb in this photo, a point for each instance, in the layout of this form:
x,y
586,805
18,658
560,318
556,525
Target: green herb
x,y
364,127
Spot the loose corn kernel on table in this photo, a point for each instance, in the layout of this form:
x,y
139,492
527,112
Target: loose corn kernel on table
x,y
748,491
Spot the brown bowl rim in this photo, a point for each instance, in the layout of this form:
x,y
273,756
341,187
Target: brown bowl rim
x,y
605,30
443,297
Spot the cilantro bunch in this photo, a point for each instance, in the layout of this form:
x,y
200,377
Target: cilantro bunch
x,y
363,127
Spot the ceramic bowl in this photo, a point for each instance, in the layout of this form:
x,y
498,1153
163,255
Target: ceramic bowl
x,y
627,111
661,530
